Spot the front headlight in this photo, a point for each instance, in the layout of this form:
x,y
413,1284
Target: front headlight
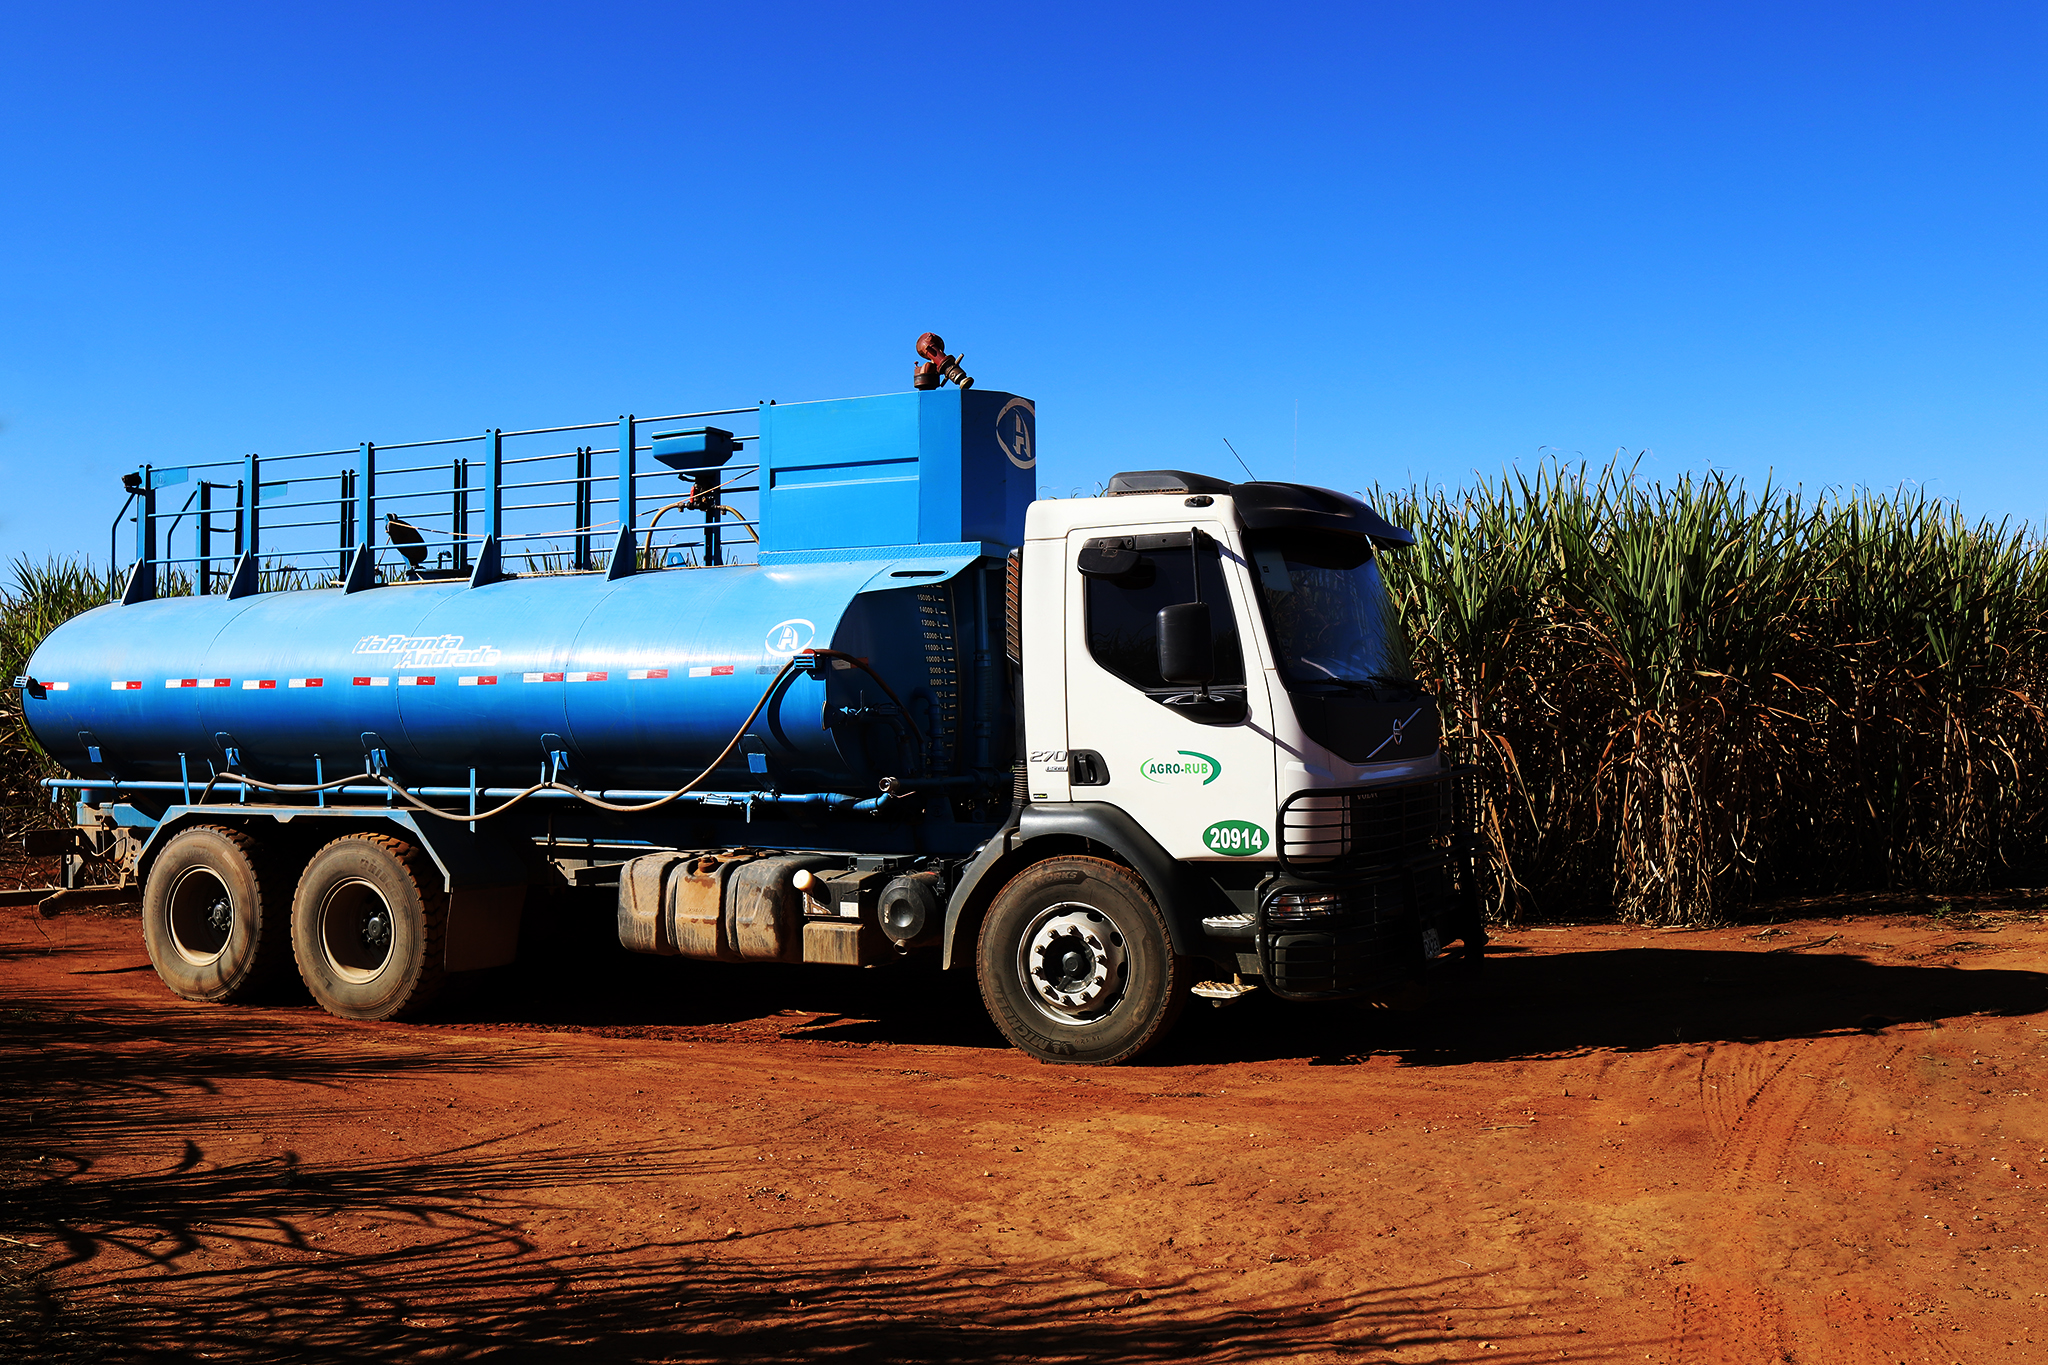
x,y
1306,907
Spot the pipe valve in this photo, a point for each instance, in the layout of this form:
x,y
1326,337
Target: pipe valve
x,y
937,367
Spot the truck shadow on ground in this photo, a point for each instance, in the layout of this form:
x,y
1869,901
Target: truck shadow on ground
x,y
1630,999
1509,1005
177,1248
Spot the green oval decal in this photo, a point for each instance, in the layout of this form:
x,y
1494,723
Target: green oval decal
x,y
1187,769
1235,838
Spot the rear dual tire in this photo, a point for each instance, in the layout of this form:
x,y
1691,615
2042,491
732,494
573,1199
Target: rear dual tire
x,y
369,924
216,917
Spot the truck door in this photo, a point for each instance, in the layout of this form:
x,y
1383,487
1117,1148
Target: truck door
x,y
1198,775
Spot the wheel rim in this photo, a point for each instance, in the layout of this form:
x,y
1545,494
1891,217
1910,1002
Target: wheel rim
x,y
356,931
202,917
1074,963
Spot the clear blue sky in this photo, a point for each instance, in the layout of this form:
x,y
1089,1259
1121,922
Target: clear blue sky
x,y
1782,237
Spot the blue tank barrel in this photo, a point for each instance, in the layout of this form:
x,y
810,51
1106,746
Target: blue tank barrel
x,y
637,682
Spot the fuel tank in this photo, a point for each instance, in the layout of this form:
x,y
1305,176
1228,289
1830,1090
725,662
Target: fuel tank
x,y
637,682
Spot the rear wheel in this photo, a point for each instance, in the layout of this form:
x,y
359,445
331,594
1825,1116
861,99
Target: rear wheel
x,y
1075,963
367,928
215,916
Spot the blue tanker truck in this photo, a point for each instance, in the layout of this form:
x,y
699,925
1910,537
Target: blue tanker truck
x,y
833,690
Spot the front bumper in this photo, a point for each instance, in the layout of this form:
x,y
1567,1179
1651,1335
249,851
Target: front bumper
x,y
1381,933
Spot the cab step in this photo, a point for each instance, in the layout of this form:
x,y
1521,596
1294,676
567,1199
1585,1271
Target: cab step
x,y
1232,926
1223,992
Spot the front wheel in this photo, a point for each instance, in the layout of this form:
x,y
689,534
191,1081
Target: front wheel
x,y
1075,963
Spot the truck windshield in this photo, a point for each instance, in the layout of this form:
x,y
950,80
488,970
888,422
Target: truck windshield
x,y
1332,618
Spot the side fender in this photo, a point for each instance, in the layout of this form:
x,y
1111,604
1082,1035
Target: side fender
x,y
1048,830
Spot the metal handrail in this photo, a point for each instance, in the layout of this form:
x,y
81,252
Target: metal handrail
x,y
463,503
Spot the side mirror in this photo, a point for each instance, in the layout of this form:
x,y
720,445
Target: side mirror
x,y
1187,648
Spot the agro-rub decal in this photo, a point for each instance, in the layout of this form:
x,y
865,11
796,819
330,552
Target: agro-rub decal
x,y
1235,838
1186,769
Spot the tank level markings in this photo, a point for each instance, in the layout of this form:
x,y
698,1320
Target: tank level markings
x,y
430,679
403,680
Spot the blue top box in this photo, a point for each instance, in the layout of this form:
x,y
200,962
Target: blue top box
x,y
942,467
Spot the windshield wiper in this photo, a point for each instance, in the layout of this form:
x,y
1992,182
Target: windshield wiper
x,y
1372,682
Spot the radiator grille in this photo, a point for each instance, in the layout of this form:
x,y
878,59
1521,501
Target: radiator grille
x,y
1366,827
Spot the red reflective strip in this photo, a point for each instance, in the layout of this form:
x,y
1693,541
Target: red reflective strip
x,y
362,682
723,670
552,677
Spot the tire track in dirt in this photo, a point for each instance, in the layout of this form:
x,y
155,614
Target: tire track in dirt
x,y
1723,1322
1754,1112
1765,1111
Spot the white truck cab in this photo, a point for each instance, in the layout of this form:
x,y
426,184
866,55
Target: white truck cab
x,y
1216,671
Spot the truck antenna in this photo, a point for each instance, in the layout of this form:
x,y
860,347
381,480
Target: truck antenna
x,y
1240,459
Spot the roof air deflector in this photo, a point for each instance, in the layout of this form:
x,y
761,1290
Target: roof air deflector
x,y
1165,481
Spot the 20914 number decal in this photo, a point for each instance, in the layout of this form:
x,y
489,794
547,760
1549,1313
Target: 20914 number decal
x,y
1235,838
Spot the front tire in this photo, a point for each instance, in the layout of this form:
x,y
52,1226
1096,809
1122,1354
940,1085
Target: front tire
x,y
1075,963
368,928
214,916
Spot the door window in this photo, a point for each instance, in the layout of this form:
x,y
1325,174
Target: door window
x,y
1123,610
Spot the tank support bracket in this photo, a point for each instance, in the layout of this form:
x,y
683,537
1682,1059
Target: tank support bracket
x,y
624,553
362,570
489,566
248,579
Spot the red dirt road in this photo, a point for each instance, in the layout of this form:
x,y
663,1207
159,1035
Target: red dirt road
x,y
1820,1142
